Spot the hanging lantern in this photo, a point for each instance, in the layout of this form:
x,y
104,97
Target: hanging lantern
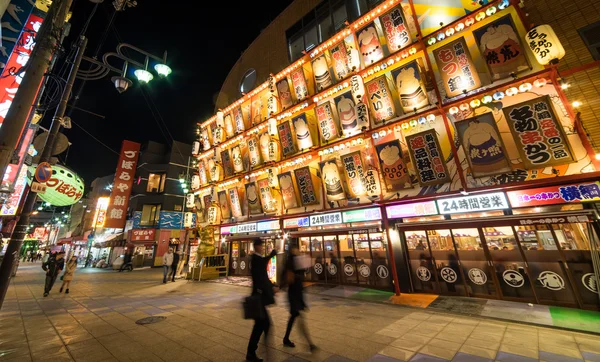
x,y
274,154
441,36
422,120
469,22
475,103
219,120
272,126
487,99
195,182
464,107
453,110
540,82
195,148
525,87
480,16
498,96
413,123
431,117
512,91
450,32
214,214
382,133
459,27
544,44
503,4
490,11
431,41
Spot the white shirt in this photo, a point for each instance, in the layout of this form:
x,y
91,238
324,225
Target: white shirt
x,y
168,259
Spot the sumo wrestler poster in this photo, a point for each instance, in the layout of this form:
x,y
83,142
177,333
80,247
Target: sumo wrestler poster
x,y
395,173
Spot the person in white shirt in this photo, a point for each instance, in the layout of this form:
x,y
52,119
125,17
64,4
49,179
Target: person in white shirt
x,y
167,262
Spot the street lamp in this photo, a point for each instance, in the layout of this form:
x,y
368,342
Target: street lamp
x,y
162,69
143,76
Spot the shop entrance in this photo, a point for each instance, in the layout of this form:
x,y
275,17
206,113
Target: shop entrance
x,y
542,260
239,263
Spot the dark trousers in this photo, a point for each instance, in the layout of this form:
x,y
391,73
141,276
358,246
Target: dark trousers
x,y
260,326
303,329
50,279
173,272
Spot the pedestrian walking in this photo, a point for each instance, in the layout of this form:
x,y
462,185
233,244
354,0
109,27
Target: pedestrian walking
x,y
294,277
69,273
261,286
167,263
176,258
53,267
39,256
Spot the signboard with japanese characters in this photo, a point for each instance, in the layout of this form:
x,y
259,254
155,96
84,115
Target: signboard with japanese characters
x,y
268,225
369,45
395,29
263,144
227,163
302,130
189,220
305,186
326,219
254,152
246,228
63,188
266,196
229,127
380,100
321,72
327,124
238,119
12,170
409,210
553,195
119,198
297,222
370,214
204,137
544,44
348,115
354,170
427,158
190,201
395,173
236,206
339,58
143,234
299,84
253,199
288,192
538,135
456,68
288,147
482,202
332,180
202,172
206,201
224,204
285,94
555,220
411,87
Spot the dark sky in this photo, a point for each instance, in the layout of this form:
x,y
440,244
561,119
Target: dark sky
x,y
203,44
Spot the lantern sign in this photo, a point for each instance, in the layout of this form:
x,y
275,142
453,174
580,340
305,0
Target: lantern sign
x,y
544,44
238,162
252,196
306,186
285,95
190,201
268,201
202,172
357,87
380,100
302,132
395,29
339,56
195,148
214,214
229,129
100,213
224,204
205,139
63,188
370,47
263,141
236,207
272,177
332,180
288,193
321,72
287,140
411,88
119,198
355,173
456,68
254,152
299,83
327,124
347,114
238,117
427,158
227,163
395,173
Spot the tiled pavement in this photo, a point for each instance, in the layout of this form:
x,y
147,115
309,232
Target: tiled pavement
x,y
96,322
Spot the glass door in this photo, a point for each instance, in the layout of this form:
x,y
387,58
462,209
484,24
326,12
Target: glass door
x,y
508,264
316,255
332,262
381,268
444,258
475,264
347,260
423,273
363,258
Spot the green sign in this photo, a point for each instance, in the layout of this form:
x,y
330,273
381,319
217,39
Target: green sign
x,y
63,188
362,215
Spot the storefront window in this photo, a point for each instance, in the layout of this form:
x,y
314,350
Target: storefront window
x,y
572,236
150,215
467,239
500,238
156,182
440,240
416,240
545,238
347,258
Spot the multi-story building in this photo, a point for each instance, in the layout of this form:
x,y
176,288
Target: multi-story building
x,y
445,147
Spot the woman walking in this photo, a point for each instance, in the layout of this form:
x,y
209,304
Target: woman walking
x,y
69,273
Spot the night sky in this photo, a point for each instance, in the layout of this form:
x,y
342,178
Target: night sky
x,y
202,43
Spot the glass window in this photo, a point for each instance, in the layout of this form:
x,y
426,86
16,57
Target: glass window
x,y
416,240
311,36
304,245
591,36
500,238
296,44
156,182
339,17
572,236
467,239
150,215
248,81
316,244
545,238
440,240
325,28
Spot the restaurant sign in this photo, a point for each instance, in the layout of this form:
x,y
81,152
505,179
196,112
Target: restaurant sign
x,y
297,222
553,195
267,225
326,219
142,234
555,220
362,215
483,202
246,228
410,210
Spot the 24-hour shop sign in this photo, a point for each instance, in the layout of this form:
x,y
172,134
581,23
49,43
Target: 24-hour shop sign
x,y
483,202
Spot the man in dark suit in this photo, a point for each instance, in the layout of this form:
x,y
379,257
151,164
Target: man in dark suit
x,y
261,285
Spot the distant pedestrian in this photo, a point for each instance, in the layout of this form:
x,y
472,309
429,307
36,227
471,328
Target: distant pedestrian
x,y
176,258
167,263
39,256
69,273
294,278
53,267
262,286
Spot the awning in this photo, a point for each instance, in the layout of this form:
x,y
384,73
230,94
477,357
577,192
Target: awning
x,y
64,241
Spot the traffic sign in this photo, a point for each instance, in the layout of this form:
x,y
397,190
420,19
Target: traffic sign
x,y
38,187
43,172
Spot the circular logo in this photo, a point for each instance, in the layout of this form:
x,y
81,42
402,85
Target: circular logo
x,y
348,270
513,278
234,264
423,273
332,268
590,282
242,265
382,271
364,270
551,280
318,268
477,276
448,275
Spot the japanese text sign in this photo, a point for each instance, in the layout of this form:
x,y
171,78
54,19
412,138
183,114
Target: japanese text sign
x,y
395,173
555,195
354,170
119,198
327,124
371,214
63,188
409,210
395,29
538,135
297,222
456,68
305,186
339,57
299,84
483,202
380,100
142,234
427,158
287,139
544,44
326,219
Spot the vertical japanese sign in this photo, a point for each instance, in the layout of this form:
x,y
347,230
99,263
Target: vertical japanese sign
x,y
288,193
119,198
234,198
339,56
100,213
299,84
380,100
395,29
540,138
11,75
224,204
11,205
395,173
305,186
254,152
206,200
287,140
202,172
426,155
302,132
18,12
12,170
268,201
355,173
229,128
227,163
253,199
456,68
332,180
238,117
327,125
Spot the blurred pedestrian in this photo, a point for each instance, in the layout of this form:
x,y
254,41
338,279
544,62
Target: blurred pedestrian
x,y
167,263
53,267
294,278
176,257
69,273
263,287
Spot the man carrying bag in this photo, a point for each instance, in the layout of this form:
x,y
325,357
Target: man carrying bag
x,y
263,294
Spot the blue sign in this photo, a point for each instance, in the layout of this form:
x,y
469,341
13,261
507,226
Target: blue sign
x,y
170,220
13,22
43,172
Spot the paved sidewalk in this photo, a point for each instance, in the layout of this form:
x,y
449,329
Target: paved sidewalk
x,y
96,322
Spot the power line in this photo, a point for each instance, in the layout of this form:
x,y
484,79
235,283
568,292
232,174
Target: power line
x,y
94,137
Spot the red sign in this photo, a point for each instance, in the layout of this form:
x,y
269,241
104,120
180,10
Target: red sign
x,y
43,172
11,205
10,176
142,234
119,198
40,233
555,195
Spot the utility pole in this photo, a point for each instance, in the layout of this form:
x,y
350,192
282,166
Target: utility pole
x,y
20,229
47,41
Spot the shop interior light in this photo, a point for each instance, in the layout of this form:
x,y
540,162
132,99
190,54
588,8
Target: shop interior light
x,y
143,76
597,156
162,69
576,104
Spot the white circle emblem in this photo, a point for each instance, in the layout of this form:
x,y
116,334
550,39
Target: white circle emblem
x,y
348,269
423,273
242,265
332,269
513,278
477,276
318,268
382,271
364,270
234,265
551,280
589,282
448,274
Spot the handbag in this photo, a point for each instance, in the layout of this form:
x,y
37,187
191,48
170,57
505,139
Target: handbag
x,y
253,307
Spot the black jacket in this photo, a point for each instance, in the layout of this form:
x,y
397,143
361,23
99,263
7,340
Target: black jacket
x,y
295,287
53,266
175,259
261,284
